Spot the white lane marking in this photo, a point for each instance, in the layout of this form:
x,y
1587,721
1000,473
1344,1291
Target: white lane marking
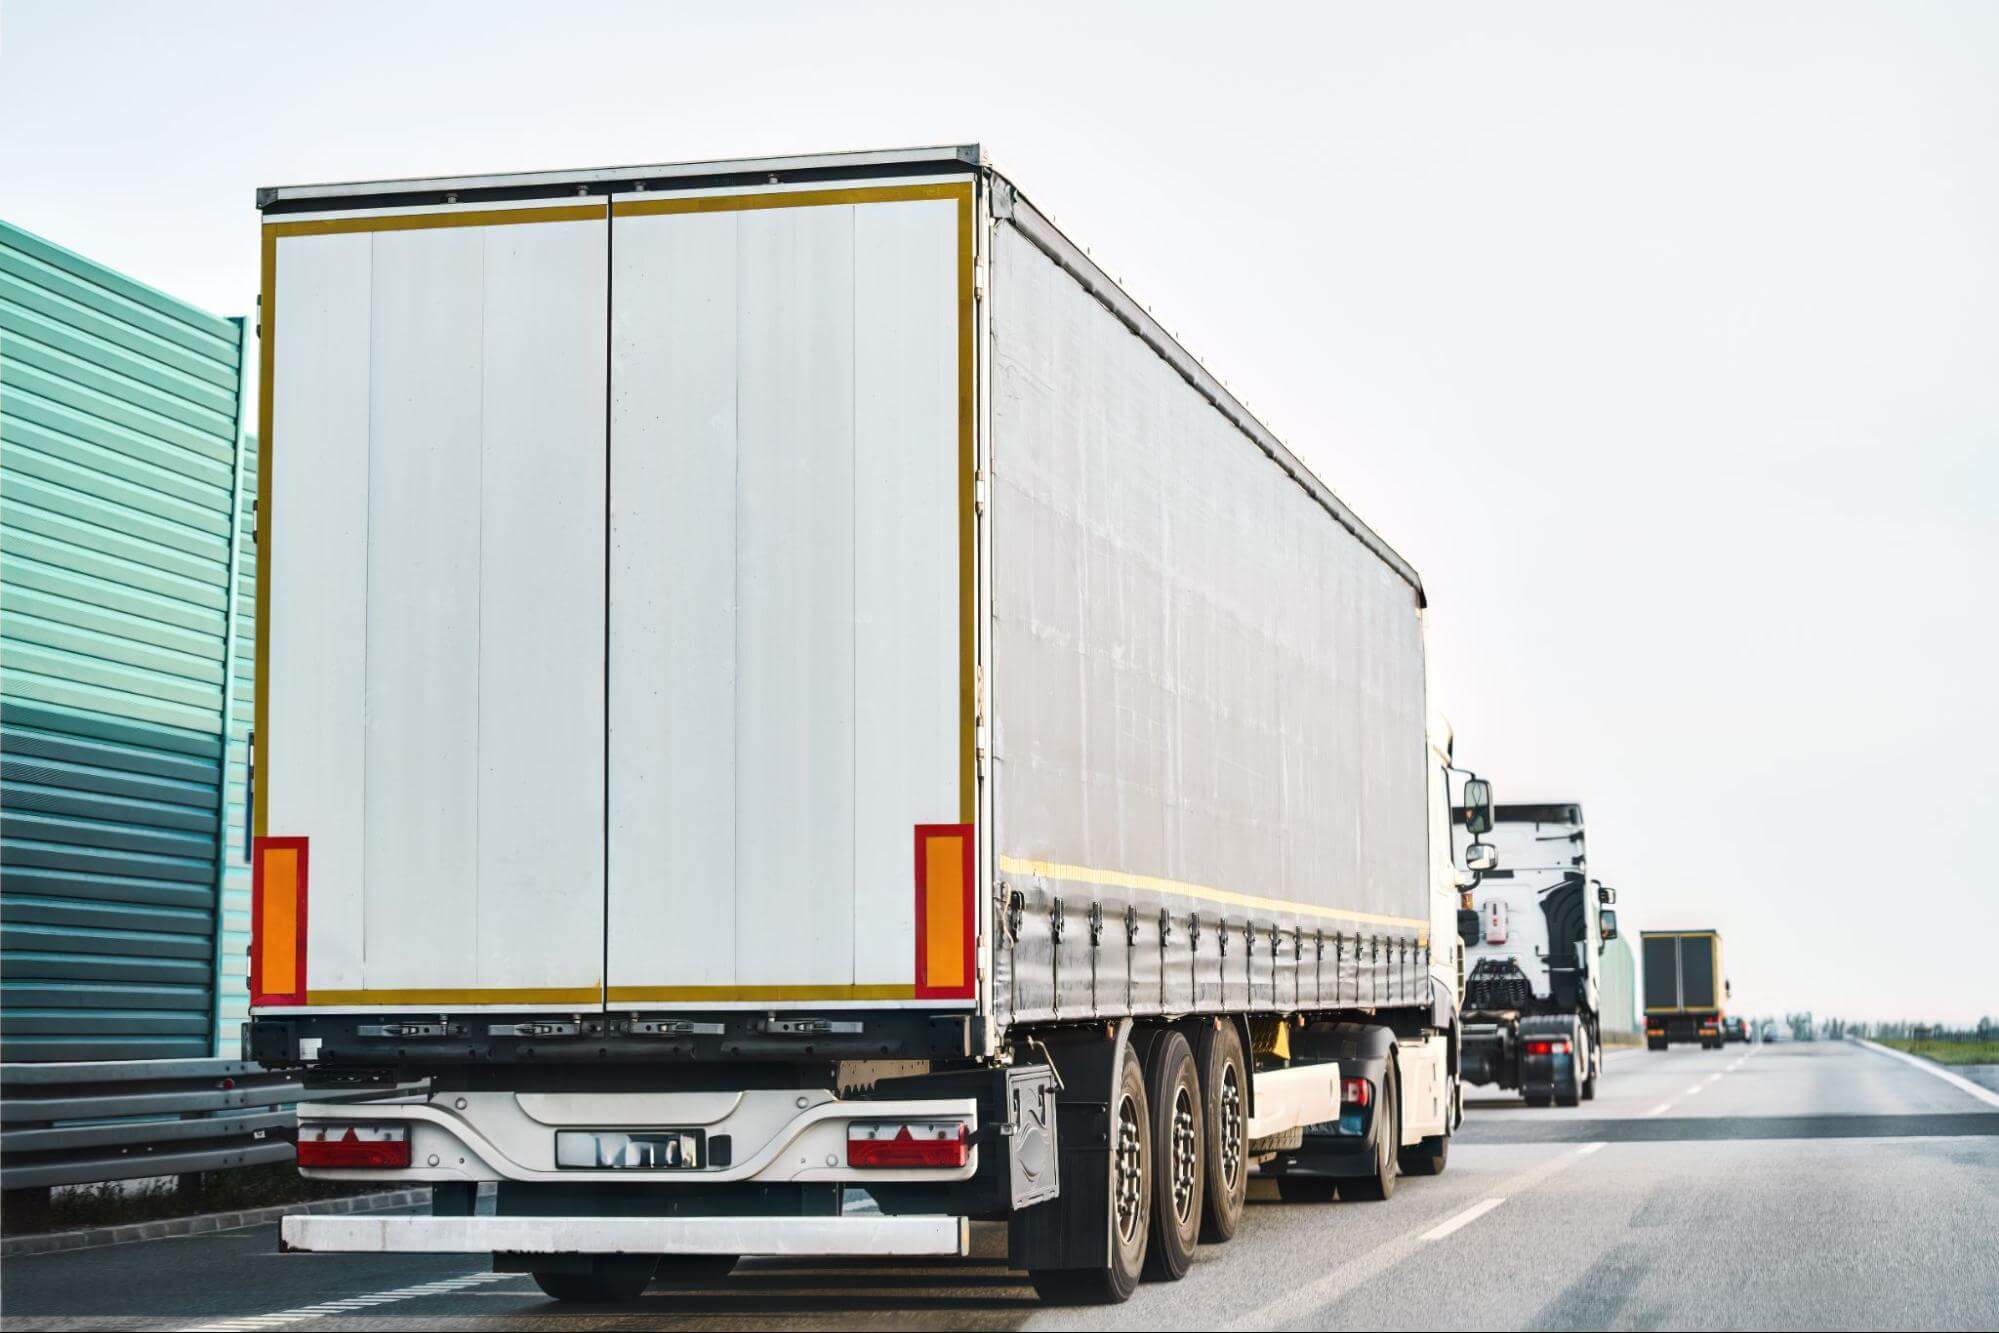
x,y
1716,1078
278,1319
1299,1303
1466,1218
1694,1091
1589,1148
1986,1095
1660,1109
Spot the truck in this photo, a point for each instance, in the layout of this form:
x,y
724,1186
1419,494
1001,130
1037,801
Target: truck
x,y
783,687
1535,932
1684,988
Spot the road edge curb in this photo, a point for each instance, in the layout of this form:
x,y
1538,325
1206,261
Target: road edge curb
x,y
201,1224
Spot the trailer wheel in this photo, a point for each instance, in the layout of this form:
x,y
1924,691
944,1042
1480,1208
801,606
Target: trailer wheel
x,y
1129,1214
1387,1144
1225,1090
1179,1135
1655,1043
612,1279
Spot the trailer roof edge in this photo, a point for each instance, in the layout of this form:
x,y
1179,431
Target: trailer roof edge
x,y
598,180
1036,226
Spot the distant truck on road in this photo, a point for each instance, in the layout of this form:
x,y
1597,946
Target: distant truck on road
x,y
1684,988
782,679
1534,941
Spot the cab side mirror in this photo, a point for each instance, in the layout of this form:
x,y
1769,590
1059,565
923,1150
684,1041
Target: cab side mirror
x,y
1478,807
1607,924
1606,895
1481,857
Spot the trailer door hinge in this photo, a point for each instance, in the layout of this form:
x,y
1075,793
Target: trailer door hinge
x,y
979,492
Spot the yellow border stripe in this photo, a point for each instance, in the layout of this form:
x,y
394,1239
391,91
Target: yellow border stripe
x,y
663,994
968,580
1118,879
586,995
260,721
737,203
471,217
959,191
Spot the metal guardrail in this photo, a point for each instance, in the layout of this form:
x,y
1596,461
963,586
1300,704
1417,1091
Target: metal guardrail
x,y
77,1124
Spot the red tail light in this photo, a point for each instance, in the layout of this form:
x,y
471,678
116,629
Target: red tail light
x,y
366,1147
909,1143
1559,1047
1356,1092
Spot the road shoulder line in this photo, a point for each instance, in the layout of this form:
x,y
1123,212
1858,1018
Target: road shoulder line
x,y
1986,1095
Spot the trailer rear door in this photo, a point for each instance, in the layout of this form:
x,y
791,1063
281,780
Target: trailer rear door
x,y
1697,972
429,777
791,647
1662,972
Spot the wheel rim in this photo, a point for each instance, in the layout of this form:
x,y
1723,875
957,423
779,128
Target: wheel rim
x,y
1186,1154
1231,1126
1129,1171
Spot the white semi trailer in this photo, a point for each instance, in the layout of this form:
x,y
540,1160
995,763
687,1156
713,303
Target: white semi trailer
x,y
780,679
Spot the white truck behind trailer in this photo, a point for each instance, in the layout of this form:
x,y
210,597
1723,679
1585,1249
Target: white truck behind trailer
x,y
1534,958
779,678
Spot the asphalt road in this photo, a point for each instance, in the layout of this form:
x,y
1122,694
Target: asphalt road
x,y
1817,1185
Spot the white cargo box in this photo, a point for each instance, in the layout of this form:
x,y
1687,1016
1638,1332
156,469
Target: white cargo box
x,y
799,584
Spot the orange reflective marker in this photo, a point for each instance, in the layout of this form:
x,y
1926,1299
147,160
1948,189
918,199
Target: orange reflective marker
x,y
946,921
277,922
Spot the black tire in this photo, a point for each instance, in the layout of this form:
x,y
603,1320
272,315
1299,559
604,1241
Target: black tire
x,y
1129,1210
1595,1072
1537,1099
1427,1157
1655,1043
693,1270
1179,1176
613,1279
1306,1189
1387,1145
1225,1116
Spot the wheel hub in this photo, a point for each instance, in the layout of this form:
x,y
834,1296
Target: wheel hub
x,y
1186,1154
1231,1126
1128,1182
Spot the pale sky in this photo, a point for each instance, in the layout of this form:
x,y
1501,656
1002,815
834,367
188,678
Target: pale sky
x,y
1663,340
